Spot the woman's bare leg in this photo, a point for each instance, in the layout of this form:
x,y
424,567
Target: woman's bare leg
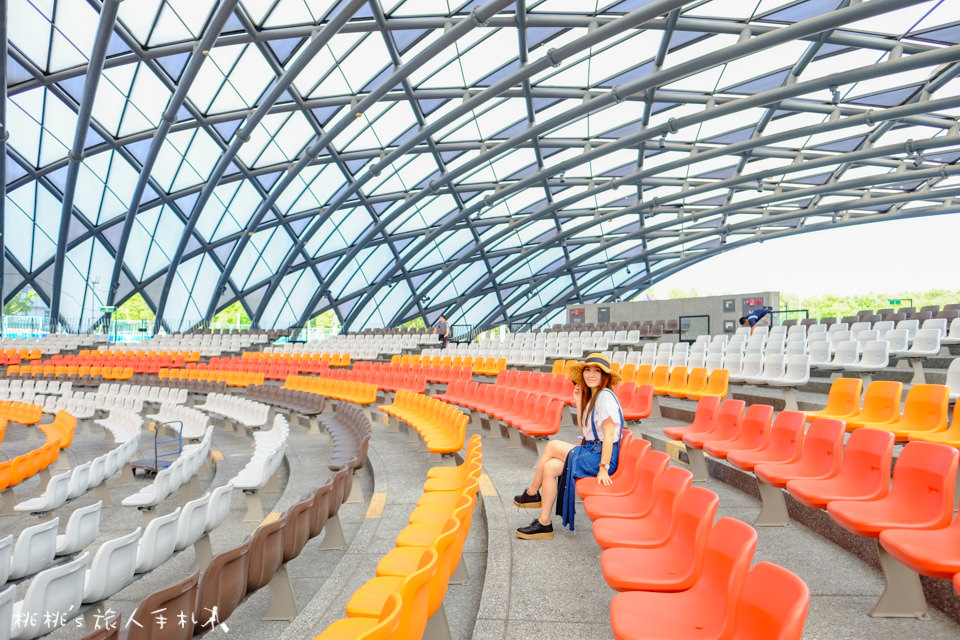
x,y
548,492
555,450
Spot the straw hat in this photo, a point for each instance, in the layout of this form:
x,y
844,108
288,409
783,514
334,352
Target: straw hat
x,y
594,360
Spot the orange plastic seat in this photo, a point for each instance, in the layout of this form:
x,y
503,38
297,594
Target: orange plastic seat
x,y
644,375
920,497
367,628
640,500
660,377
843,400
925,410
931,552
656,527
881,405
786,438
773,604
711,596
676,564
864,472
754,432
704,418
676,382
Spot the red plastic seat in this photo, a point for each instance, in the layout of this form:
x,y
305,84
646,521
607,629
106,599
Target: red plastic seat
x,y
706,609
673,566
754,433
623,478
864,472
726,427
932,552
773,605
640,500
656,527
785,444
921,495
703,419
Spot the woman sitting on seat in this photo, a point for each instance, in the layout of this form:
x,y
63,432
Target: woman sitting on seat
x,y
601,422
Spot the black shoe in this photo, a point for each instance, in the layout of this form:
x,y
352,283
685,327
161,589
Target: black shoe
x,y
527,501
536,531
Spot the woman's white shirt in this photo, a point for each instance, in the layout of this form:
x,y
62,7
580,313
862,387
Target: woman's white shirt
x,y
606,406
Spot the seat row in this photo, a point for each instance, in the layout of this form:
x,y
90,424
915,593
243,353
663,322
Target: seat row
x,y
170,479
351,429
924,415
267,457
246,412
482,365
412,579
441,426
192,423
59,435
680,574
272,369
231,378
433,373
338,389
145,393
527,411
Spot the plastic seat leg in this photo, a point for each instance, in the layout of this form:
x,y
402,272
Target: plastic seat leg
x,y
903,595
460,574
437,626
773,513
790,399
356,492
698,465
333,534
254,507
283,605
918,375
655,409
512,435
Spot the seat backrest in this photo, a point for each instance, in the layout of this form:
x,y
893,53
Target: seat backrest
x,y
297,531
58,589
35,548
727,556
846,352
219,507
823,444
223,583
752,364
178,598
926,407
266,553
882,398
112,568
82,529
926,340
924,477
772,605
158,541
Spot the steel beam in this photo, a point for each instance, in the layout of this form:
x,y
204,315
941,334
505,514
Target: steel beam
x,y
4,136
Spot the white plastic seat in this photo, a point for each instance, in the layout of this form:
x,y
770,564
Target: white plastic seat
x,y
875,356
79,480
7,598
153,494
193,519
157,544
897,340
58,589
940,324
714,361
953,336
98,471
751,368
733,362
839,336
953,379
857,327
6,553
112,567
819,351
866,336
82,529
53,497
796,372
882,326
697,359
795,347
664,355
926,342
35,549
774,366
679,356
911,326
219,507
847,353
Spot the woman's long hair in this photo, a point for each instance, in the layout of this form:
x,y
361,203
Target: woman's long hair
x,y
591,399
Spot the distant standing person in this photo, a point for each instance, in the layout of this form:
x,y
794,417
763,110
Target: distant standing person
x,y
754,316
443,330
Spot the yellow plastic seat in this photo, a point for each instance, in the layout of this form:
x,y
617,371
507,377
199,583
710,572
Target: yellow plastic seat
x,y
381,628
473,453
676,379
718,384
925,410
696,381
949,437
843,400
881,405
403,561
452,483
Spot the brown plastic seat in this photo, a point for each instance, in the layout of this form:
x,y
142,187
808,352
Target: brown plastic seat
x,y
178,598
297,531
266,553
223,584
321,508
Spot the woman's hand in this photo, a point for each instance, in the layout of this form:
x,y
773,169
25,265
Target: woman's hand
x,y
576,395
603,477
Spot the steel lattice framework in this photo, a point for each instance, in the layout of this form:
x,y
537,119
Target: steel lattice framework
x,y
394,159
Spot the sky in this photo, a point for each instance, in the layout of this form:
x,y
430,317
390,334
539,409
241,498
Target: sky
x,y
881,257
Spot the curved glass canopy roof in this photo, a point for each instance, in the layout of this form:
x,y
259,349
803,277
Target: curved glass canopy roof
x,y
392,159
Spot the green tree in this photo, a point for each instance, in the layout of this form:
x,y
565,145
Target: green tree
x,y
21,303
416,323
326,320
233,315
134,308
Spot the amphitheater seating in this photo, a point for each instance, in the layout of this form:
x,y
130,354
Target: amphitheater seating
x,y
881,405
924,411
441,426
